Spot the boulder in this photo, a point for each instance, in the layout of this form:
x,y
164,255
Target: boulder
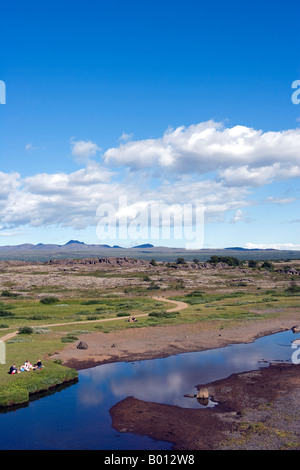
x,y
296,329
82,345
202,393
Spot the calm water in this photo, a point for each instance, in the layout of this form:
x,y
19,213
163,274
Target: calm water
x,y
77,417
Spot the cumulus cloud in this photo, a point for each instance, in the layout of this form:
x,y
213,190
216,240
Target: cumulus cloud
x,y
64,183
241,152
72,199
9,182
83,150
204,164
62,198
259,176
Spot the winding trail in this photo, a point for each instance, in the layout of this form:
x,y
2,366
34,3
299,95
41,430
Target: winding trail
x,y
179,305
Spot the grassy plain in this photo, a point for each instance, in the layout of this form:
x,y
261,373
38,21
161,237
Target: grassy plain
x,y
53,304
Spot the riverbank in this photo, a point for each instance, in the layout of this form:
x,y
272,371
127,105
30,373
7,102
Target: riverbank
x,y
256,410
135,344
24,386
226,305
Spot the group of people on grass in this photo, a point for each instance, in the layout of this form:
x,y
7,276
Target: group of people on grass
x,y
26,367
132,319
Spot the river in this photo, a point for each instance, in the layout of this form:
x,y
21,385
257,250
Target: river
x,y
77,417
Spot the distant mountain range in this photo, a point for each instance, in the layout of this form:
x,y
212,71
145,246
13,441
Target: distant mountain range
x,y
76,249
70,245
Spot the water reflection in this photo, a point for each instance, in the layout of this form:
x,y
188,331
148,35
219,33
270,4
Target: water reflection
x,y
78,417
167,380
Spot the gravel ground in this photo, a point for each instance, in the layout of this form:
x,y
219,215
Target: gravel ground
x,y
270,427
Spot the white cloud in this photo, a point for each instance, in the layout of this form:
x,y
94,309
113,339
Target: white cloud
x,y
238,217
63,199
30,147
204,164
83,150
63,183
9,182
273,246
72,199
258,176
124,136
209,146
279,200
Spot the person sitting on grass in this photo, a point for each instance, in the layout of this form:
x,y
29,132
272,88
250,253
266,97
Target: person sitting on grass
x,y
28,365
24,368
132,319
38,365
14,369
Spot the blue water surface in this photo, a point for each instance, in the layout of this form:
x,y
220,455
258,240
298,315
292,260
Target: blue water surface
x,y
77,417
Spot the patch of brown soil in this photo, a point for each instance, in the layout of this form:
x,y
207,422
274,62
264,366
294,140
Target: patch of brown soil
x,y
213,428
133,344
188,429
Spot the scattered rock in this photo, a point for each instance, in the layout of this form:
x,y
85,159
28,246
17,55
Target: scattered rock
x,y
202,393
82,345
296,329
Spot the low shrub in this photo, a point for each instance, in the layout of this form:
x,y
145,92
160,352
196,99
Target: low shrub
x,y
38,317
25,330
293,288
6,313
8,293
69,338
41,330
163,314
49,300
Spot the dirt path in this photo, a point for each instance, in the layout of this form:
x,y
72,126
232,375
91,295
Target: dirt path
x,y
9,336
178,306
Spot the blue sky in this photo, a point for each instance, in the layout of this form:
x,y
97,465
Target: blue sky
x,y
166,102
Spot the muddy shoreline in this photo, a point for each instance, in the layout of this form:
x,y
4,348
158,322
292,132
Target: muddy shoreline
x,y
144,343
257,410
